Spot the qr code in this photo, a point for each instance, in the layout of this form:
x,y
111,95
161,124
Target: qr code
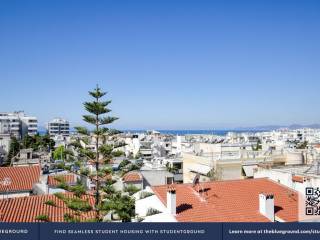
x,y
312,201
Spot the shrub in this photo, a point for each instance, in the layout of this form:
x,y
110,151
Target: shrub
x,y
84,171
50,203
131,189
117,153
78,205
78,190
59,195
63,185
69,218
152,211
123,163
145,195
42,217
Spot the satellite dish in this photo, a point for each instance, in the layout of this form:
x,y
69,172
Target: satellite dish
x,y
196,179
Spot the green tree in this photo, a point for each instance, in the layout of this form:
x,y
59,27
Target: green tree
x,y
98,116
118,153
131,189
14,148
47,142
28,141
62,153
106,145
38,142
215,174
121,206
59,153
302,145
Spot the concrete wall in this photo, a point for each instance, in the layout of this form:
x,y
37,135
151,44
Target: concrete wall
x,y
188,161
227,169
13,195
285,178
231,172
142,206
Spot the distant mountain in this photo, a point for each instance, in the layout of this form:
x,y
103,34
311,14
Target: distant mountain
x,y
275,127
297,126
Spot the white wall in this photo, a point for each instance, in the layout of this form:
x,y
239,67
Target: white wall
x,y
14,195
143,205
285,178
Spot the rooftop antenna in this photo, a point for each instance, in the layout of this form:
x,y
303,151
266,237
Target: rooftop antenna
x,y
196,180
196,184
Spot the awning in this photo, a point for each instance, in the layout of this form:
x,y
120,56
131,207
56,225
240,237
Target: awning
x,y
249,170
198,168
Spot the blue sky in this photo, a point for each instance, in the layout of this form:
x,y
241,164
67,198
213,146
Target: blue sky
x,y
166,64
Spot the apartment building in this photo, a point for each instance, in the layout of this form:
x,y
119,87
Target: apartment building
x,y
10,124
29,125
18,124
59,126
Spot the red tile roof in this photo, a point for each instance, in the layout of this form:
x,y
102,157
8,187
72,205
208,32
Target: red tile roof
x,y
230,201
132,177
296,178
68,178
22,178
26,209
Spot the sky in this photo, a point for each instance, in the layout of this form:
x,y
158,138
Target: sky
x,y
169,64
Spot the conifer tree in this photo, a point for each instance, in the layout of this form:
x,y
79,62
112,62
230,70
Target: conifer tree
x,y
98,117
107,146
14,148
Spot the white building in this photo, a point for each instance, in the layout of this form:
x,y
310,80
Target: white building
x,y
29,125
10,124
18,124
58,126
296,177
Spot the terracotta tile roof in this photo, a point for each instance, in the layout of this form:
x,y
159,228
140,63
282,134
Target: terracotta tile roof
x,y
230,201
296,178
132,177
26,209
22,178
68,178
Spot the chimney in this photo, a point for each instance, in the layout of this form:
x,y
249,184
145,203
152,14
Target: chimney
x,y
171,201
266,205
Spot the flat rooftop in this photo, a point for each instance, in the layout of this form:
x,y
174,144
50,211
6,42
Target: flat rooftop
x,y
306,170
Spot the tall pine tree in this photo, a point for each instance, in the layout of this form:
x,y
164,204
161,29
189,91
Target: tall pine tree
x,y
98,117
107,144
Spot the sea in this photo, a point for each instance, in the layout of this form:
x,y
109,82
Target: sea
x,y
183,132
197,132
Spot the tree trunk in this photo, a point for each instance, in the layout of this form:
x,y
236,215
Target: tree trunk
x,y
97,168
